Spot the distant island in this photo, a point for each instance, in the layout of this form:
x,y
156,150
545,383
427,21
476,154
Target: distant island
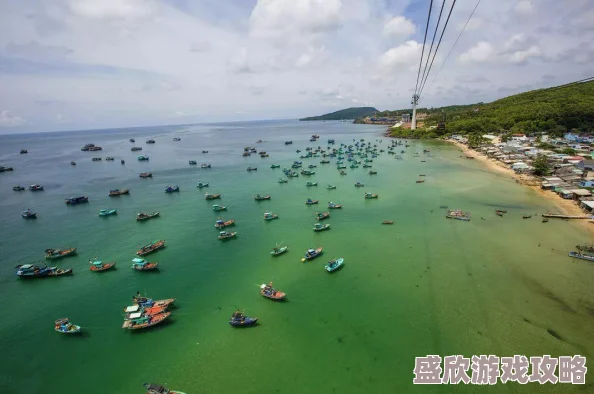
x,y
349,113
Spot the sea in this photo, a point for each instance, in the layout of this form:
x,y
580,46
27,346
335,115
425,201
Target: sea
x,y
425,285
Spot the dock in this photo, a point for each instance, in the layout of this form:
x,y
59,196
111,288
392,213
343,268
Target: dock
x,y
556,216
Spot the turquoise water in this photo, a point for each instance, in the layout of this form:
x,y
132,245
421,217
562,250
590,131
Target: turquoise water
x,y
425,285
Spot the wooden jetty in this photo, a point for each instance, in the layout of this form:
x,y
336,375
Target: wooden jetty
x,y
557,216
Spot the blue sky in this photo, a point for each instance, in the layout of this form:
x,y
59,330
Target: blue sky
x,y
80,64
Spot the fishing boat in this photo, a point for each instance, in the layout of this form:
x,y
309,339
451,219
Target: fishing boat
x,y
281,180
224,235
36,188
581,256
146,302
388,222
132,140
420,181
137,321
266,290
288,142
151,141
63,326
209,196
343,172
99,266
177,139
501,210
220,223
77,200
192,162
458,215
72,163
3,169
325,162
311,254
158,389
172,189
23,151
143,265
122,161
311,202
110,158
18,188
107,212
332,205
136,148
146,175
371,195
372,172
322,215
321,227
151,248
204,151
354,166
545,220
270,216
359,184
146,216
250,169
334,265
341,167
90,148
311,183
259,197
202,184
307,172
33,271
142,158
118,192
205,165
55,254
278,250
238,319
96,159
275,166
330,187
526,216
29,214
218,208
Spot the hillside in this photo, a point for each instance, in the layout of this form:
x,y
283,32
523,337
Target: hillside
x,y
554,111
349,113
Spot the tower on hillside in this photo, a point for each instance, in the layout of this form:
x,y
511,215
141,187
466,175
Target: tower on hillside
x,y
414,102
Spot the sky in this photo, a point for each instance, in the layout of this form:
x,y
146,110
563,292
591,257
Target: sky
x,y
91,64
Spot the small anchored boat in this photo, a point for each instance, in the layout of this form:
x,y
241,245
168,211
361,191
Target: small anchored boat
x,y
275,166
388,222
311,184
371,195
209,196
322,215
33,271
77,200
311,254
151,248
334,265
177,139
307,172
259,197
250,169
63,326
220,223
372,172
205,165
193,162
458,215
108,212
526,216
159,389
146,175
311,202
281,180
321,227
266,290
29,214
343,172
18,188
224,235
172,189
55,254
278,250
359,184
238,319
202,184
99,266
143,158
146,302
332,205
36,188
137,321
151,141
270,216
218,208
146,216
581,256
330,187
143,265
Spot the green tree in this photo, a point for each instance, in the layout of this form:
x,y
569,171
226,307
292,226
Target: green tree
x,y
541,165
568,151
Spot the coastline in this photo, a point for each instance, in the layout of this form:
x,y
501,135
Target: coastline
x,y
565,207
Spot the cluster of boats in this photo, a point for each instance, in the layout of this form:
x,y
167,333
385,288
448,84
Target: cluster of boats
x,y
458,215
145,312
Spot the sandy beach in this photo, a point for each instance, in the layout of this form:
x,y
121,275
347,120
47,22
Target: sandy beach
x,y
558,204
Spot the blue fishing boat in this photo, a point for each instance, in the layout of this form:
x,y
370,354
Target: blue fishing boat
x,y
63,326
18,188
40,271
77,200
29,214
321,227
143,265
311,254
334,265
107,212
172,189
238,319
311,202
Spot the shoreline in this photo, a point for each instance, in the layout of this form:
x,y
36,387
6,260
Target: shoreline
x,y
565,207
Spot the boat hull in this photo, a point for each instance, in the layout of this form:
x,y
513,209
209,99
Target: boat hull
x,y
76,330
277,296
279,251
247,322
581,256
335,267
104,267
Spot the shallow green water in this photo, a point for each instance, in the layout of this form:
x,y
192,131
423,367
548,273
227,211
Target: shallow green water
x,y
425,285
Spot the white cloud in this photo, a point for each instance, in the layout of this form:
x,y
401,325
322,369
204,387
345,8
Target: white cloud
x,y
482,52
523,55
524,7
407,54
399,26
303,60
7,119
201,46
113,9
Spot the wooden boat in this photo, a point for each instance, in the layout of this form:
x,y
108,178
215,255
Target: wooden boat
x,y
223,235
143,158
371,195
33,271
220,223
122,161
158,389
151,248
209,196
193,162
55,254
243,321
23,151
332,205
140,322
204,151
311,254
29,214
275,166
288,142
172,189
325,162
372,172
205,165
278,250
321,227
526,216
132,311
146,175
281,180
177,139
270,216
544,220
36,188
63,326
311,184
151,141
143,265
458,215
218,208
108,212
311,202
18,188
388,222
330,187
132,140
77,200
202,184
146,216
60,272
343,172
259,197
110,158
136,148
322,216
96,159
249,169
420,181
499,213
271,293
148,302
334,265
359,184
3,169
422,175
99,266
581,256
307,172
